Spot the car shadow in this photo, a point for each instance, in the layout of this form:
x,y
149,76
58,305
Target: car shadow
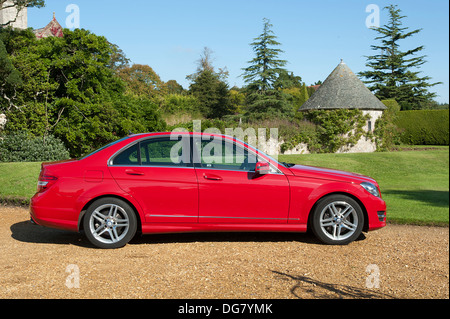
x,y
31,233
260,237
308,288
224,237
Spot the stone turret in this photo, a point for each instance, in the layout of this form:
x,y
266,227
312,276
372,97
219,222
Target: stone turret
x,y
344,90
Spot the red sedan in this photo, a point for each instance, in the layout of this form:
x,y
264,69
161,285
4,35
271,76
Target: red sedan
x,y
194,182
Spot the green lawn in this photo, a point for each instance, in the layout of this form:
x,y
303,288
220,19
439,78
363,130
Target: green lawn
x,y
415,184
18,181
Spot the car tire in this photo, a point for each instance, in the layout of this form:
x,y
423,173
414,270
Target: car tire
x,y
110,223
337,220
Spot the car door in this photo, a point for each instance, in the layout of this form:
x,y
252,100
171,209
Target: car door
x,y
158,173
230,191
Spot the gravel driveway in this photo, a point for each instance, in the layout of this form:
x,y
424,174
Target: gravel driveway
x,y
395,262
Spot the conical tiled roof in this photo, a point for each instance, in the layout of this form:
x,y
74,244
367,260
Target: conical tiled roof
x,y
343,90
53,29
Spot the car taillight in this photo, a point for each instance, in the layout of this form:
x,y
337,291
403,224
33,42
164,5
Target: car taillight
x,y
45,182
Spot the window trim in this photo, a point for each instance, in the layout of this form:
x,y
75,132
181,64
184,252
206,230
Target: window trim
x,y
192,146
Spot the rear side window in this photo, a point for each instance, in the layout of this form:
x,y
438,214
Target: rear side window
x,y
129,157
155,152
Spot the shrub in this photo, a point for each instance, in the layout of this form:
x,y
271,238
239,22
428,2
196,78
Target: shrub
x,y
335,129
386,133
21,147
424,127
177,103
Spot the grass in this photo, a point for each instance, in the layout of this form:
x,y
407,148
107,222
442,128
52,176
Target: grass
x,y
18,181
414,184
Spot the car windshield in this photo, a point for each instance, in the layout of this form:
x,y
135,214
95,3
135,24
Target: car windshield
x,y
105,147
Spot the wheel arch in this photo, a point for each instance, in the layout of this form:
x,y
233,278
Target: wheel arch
x,y
356,199
86,206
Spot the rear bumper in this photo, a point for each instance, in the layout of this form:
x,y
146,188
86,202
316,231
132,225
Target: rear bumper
x,y
51,217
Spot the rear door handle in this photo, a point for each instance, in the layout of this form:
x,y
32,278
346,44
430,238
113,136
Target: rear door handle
x,y
212,177
134,172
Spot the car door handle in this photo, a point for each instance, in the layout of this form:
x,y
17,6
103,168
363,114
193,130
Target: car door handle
x,y
212,177
134,172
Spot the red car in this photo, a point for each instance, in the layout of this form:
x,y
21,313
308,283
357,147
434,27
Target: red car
x,y
194,182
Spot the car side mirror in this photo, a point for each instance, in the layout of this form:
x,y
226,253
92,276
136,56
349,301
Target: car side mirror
x,y
262,168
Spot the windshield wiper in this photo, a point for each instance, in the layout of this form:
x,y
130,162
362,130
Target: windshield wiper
x,y
288,165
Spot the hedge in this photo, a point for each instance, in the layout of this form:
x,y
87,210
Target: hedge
x,y
424,127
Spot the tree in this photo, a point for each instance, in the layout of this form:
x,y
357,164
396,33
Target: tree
x,y
118,59
265,76
265,68
394,74
288,80
142,80
210,88
70,91
19,5
173,87
11,80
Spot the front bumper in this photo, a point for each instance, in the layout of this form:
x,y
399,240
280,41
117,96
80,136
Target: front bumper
x,y
377,213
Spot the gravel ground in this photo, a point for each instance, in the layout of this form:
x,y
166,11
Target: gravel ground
x,y
412,262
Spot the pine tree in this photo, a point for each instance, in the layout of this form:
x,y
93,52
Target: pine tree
x,y
265,68
263,99
394,73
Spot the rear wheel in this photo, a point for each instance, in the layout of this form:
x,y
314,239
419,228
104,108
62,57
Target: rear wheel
x,y
337,220
110,223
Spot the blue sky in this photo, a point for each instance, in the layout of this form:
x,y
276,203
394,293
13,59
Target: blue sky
x,y
169,35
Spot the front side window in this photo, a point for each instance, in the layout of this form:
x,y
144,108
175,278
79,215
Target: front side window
x,y
218,153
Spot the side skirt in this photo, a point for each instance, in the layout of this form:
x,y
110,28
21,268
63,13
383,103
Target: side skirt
x,y
198,228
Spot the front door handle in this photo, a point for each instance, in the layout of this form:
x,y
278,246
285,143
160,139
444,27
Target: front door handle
x,y
212,177
134,172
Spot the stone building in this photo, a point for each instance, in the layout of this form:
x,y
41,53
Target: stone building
x,y
53,29
18,19
11,16
344,90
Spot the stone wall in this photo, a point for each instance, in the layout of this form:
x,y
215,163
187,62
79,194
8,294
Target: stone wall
x,y
365,145
2,121
9,14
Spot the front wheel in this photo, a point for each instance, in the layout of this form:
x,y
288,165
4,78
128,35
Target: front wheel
x,y
337,220
110,223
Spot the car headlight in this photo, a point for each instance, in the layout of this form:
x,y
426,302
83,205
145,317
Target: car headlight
x,y
371,188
